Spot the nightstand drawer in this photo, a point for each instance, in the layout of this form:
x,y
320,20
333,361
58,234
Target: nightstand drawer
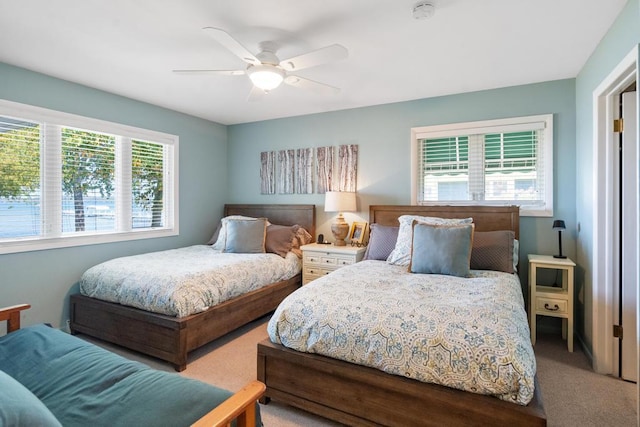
x,y
312,258
316,271
552,306
345,261
328,260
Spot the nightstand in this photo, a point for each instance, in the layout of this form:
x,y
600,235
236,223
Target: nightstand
x,y
550,300
318,260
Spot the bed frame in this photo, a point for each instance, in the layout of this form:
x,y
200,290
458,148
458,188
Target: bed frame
x,y
171,338
358,395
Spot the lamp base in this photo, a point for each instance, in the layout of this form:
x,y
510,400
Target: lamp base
x,y
340,229
560,256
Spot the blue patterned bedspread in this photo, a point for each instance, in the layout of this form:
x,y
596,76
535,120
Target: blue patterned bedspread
x,y
466,333
184,281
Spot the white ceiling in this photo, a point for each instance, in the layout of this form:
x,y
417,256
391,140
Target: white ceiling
x,y
131,47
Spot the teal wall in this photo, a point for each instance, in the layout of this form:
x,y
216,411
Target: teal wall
x,y
45,278
623,35
383,136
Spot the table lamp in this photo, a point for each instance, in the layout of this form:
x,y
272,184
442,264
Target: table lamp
x,y
559,226
340,201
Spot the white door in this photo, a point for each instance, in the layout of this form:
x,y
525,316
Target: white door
x,y
629,238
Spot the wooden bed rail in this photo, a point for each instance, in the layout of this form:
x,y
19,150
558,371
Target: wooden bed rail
x,y
240,407
12,316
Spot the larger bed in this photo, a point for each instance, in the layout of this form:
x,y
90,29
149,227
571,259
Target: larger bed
x,y
342,370
172,334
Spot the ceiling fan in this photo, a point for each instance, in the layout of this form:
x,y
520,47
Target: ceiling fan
x,y
267,72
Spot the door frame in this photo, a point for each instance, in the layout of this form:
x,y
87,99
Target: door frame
x,y
605,292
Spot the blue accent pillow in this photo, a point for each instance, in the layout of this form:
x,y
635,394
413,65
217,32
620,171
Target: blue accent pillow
x,y
246,236
401,254
20,407
441,249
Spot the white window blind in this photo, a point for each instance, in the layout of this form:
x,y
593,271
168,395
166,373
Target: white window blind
x,y
67,180
493,162
19,178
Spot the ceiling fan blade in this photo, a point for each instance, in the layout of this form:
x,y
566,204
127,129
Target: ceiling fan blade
x,y
256,94
222,72
311,85
232,45
335,52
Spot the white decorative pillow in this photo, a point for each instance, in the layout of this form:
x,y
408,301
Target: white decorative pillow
x,y
222,233
401,254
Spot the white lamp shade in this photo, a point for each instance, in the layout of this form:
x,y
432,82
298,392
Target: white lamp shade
x,y
340,201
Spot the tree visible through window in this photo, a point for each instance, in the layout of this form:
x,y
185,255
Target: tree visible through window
x,y
88,169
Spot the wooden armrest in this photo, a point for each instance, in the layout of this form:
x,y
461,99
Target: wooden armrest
x,y
240,406
12,316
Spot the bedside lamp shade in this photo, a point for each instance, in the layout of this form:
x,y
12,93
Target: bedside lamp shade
x,y
340,201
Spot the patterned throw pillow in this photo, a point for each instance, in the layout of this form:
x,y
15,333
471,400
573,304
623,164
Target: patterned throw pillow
x,y
441,249
493,250
382,240
401,254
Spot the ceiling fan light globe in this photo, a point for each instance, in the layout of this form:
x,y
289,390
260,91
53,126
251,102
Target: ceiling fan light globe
x,y
266,77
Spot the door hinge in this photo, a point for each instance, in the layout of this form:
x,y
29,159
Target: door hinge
x,y
618,125
617,331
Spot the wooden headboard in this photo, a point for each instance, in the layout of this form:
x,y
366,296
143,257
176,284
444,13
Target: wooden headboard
x,y
485,218
303,215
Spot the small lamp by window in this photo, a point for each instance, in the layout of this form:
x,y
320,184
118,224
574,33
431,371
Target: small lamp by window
x,y
559,226
340,201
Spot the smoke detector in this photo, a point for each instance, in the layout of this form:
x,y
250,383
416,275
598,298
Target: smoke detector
x,y
423,10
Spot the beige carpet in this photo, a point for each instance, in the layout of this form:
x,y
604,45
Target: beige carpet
x,y
572,393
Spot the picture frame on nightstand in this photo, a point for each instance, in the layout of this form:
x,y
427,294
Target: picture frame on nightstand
x,y
358,232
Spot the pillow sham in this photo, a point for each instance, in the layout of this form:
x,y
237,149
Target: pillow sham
x,y
20,407
219,236
245,236
382,240
493,250
441,249
280,239
401,254
216,233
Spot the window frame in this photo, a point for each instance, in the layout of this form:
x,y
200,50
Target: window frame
x,y
490,126
62,119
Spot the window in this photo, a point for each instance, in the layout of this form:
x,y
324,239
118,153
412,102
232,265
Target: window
x,y
67,180
507,161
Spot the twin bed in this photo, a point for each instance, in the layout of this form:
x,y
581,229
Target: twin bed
x,y
373,344
186,325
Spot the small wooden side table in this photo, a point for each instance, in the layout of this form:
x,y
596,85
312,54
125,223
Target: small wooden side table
x,y
550,300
